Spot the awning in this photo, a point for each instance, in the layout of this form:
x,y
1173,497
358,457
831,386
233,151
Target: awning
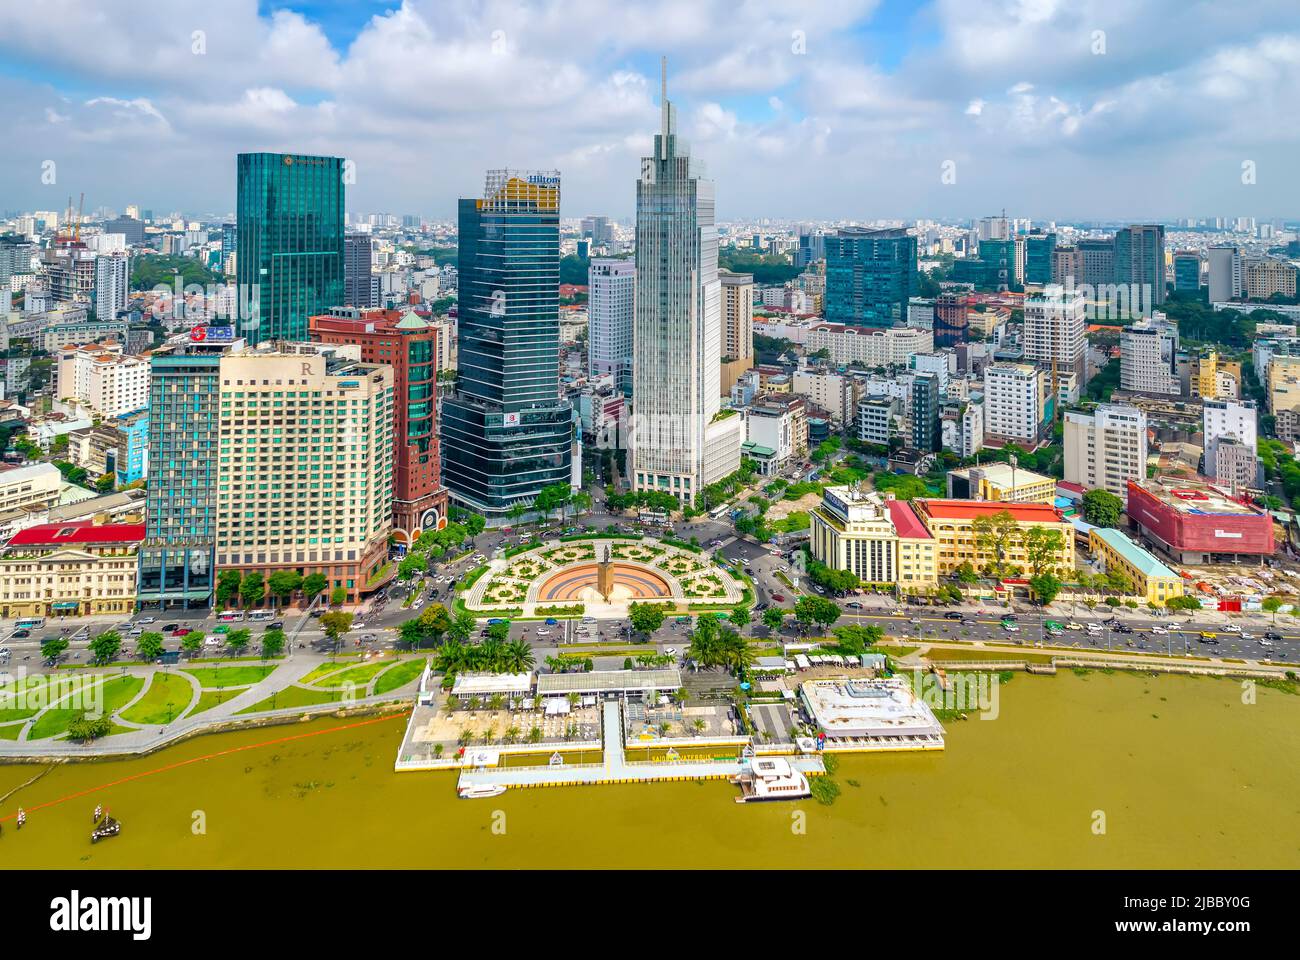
x,y
66,605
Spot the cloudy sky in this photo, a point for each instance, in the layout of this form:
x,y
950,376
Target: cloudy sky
x,y
1064,109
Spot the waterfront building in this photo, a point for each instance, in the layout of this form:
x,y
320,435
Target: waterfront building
x,y
681,440
878,538
1107,448
954,526
1001,482
1152,580
877,709
305,480
506,431
1198,522
290,240
72,570
611,296
870,276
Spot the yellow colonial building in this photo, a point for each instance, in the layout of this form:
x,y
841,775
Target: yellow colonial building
x,y
73,569
1001,482
878,538
953,524
1151,578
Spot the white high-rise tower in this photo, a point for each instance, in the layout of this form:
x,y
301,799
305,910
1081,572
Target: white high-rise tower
x,y
681,439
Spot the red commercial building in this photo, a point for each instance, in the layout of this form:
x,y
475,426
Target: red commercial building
x,y
1196,522
409,344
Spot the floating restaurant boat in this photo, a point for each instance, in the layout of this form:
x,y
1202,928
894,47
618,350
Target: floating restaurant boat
x,y
771,778
478,791
108,827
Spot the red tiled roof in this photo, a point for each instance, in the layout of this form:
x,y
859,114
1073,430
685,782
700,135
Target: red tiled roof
x,y
906,522
970,509
1072,487
54,534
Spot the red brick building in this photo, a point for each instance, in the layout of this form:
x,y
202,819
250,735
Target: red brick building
x,y
409,344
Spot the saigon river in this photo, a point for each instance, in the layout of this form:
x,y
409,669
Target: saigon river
x,y
1185,774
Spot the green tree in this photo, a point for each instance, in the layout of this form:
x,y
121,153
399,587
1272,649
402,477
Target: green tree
x,y
338,596
994,535
1272,605
1046,585
462,626
283,584
227,588
1042,549
646,617
773,618
554,496
52,648
1102,508
335,625
86,727
149,646
192,643
740,616
272,644
105,647
855,639
313,585
237,641
252,589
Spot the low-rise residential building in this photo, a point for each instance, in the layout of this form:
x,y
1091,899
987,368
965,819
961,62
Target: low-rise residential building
x,y
103,378
1001,482
778,421
831,391
99,448
77,569
36,485
1151,579
877,419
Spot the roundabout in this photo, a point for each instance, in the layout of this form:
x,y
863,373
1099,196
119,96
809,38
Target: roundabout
x,y
600,577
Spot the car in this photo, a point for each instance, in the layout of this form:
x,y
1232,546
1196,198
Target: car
x,y
1272,635
551,621
1094,628
950,615
147,620
543,632
1073,626
221,628
1010,627
968,622
20,635
915,620
1246,636
749,572
1209,637
1009,617
274,625
588,619
762,606
1122,628
671,651
1231,628
495,620
1159,630
779,597
212,642
367,637
854,605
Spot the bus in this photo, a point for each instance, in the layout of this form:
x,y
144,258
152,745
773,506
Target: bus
x,y
230,616
717,513
29,623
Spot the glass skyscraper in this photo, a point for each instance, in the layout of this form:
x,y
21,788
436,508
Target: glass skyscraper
x,y
506,432
870,276
177,555
1040,249
289,241
1140,260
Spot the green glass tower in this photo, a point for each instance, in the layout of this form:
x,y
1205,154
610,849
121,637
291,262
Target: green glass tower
x,y
870,276
507,433
289,241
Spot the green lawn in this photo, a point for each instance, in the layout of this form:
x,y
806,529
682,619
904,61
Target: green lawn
x,y
400,674
295,697
11,731
324,670
229,676
360,675
153,708
212,698
113,692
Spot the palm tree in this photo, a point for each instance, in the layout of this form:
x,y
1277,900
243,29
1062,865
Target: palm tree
x,y
518,656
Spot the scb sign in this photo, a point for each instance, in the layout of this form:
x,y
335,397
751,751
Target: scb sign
x,y
206,334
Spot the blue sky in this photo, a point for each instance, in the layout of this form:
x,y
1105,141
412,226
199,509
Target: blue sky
x,y
1087,109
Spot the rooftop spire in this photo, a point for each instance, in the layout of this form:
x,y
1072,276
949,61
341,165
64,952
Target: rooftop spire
x,y
663,95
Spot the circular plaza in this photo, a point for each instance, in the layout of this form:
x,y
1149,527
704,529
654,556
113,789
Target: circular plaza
x,y
603,576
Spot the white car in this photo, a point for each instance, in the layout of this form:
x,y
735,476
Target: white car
x,y
1010,627
543,633
1247,636
671,651
1159,630
1230,628
1094,628
1073,626
147,620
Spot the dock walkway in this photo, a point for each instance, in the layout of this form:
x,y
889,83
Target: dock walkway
x,y
615,767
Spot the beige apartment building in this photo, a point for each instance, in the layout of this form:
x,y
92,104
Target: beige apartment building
x,y
737,315
305,474
34,487
1107,448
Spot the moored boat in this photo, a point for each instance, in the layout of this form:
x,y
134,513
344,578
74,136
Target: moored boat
x,y
771,778
478,791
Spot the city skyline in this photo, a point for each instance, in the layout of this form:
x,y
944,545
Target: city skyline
x,y
1146,112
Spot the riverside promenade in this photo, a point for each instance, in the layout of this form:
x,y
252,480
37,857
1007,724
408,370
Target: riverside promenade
x,y
615,767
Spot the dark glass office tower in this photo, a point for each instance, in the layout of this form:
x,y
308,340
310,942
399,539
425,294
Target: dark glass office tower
x,y
506,432
1040,248
870,276
1140,259
289,240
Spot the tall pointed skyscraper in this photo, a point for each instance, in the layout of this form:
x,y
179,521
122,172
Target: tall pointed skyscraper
x,y
681,439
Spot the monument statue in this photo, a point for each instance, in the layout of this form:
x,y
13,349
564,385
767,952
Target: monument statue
x,y
605,572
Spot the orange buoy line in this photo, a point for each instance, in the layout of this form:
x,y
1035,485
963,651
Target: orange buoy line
x,y
209,756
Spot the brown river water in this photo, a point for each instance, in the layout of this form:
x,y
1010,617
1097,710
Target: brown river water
x,y
1183,773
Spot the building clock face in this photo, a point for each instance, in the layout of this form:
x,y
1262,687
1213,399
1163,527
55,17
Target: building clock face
x,y
429,520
